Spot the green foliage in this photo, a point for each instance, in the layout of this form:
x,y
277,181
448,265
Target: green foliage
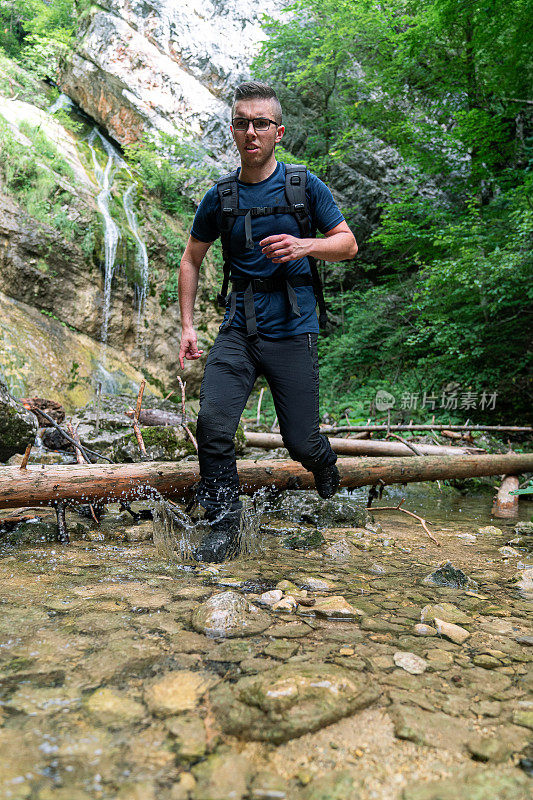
x,y
447,274
167,167
37,33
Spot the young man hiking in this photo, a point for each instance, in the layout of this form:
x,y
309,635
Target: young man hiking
x,y
270,326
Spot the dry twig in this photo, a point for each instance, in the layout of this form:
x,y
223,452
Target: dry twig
x,y
412,447
136,426
26,456
411,514
183,424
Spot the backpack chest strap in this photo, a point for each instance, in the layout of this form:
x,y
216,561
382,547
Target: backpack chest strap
x,y
228,212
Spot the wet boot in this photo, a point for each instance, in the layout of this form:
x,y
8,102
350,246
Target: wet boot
x,y
222,541
327,481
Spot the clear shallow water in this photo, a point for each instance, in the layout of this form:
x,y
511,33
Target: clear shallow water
x,y
86,630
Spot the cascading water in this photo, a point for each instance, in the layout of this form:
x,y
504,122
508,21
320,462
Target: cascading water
x,y
111,230
142,257
104,176
63,101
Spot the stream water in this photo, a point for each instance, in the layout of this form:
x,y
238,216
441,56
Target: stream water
x,y
127,673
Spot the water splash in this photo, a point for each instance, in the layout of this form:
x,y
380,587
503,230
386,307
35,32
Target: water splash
x,y
177,536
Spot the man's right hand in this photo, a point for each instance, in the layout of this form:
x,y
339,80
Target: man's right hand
x,y
189,346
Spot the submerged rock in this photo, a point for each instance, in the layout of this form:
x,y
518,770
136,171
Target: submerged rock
x,y
334,786
336,606
490,530
424,630
453,632
290,700
479,785
113,708
229,614
444,611
450,576
222,777
303,539
410,662
177,692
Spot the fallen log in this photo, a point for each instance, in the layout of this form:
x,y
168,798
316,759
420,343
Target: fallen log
x,y
349,447
360,447
424,427
87,483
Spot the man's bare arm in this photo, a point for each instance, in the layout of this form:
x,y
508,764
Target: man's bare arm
x,y
191,262
338,244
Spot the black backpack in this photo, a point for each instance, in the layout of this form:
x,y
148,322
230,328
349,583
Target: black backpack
x,y
228,192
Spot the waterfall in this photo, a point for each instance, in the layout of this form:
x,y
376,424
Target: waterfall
x,y
63,101
104,177
111,231
142,257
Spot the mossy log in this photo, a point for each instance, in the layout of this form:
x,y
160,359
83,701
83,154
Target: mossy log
x,y
88,483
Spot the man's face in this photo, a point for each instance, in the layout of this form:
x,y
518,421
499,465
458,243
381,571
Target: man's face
x,y
256,147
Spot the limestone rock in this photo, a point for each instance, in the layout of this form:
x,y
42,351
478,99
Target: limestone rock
x,y
490,530
228,614
444,611
18,426
336,606
268,786
271,597
177,692
410,662
317,584
453,632
191,737
287,603
223,776
479,785
290,700
113,708
424,630
333,786
525,583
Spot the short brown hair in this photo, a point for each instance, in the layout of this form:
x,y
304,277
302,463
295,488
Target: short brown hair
x,y
250,90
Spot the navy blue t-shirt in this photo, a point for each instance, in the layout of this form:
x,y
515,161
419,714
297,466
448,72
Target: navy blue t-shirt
x,y
272,311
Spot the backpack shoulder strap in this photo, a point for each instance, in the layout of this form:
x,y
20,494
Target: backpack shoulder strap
x,y
295,184
228,194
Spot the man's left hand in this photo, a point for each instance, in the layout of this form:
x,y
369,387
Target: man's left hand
x,y
283,247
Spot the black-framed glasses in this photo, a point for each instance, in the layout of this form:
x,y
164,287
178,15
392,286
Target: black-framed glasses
x,y
259,123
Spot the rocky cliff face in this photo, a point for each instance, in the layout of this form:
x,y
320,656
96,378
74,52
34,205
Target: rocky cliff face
x,y
173,66
52,283
166,66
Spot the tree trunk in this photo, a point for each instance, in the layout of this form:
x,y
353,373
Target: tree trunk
x,y
359,447
505,503
37,486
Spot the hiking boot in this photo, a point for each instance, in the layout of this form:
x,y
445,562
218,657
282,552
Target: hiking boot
x,y
327,481
222,541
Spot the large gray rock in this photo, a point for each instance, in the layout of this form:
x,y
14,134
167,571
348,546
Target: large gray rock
x,y
290,700
228,614
18,426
